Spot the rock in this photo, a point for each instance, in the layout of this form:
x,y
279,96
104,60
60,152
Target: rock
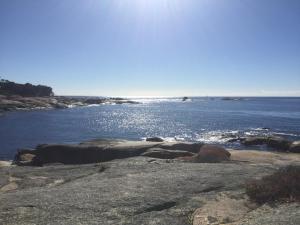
x,y
60,106
295,147
103,150
25,90
93,101
212,154
249,141
222,210
166,154
155,139
278,143
78,154
27,157
135,191
18,102
185,99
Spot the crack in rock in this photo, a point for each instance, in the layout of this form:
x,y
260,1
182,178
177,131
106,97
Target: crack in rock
x,y
159,207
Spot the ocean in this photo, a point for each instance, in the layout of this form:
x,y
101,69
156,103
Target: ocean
x,y
200,119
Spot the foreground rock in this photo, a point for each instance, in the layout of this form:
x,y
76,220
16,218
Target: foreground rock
x,y
102,151
142,190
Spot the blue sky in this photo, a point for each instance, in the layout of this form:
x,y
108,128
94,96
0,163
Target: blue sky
x,y
153,47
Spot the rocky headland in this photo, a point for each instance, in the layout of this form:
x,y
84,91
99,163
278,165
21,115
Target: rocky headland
x,y
14,96
140,182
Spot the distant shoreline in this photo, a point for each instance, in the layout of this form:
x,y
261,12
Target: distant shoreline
x,y
18,103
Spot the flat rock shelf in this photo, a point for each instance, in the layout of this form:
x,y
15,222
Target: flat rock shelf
x,y
143,190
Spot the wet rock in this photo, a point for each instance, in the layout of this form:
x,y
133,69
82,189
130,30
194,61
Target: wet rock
x,y
277,143
212,154
249,141
155,139
295,147
166,154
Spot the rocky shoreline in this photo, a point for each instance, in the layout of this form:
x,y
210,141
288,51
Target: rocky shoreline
x,y
16,102
139,182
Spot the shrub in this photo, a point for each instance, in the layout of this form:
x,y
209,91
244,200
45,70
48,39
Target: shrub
x,y
283,185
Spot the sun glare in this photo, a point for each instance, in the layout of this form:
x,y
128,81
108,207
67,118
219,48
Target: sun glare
x,y
148,7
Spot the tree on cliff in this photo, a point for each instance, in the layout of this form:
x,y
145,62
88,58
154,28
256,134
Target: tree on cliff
x,y
26,90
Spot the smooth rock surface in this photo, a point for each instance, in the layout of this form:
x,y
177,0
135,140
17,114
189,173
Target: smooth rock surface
x,y
166,154
142,190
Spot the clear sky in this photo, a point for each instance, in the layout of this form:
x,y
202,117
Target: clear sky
x,y
153,47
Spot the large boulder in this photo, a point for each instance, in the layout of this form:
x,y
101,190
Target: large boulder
x,y
212,154
295,147
166,154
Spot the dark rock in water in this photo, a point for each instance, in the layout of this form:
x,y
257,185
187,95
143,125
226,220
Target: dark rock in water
x,y
155,139
212,154
166,154
185,99
295,147
277,143
94,101
249,141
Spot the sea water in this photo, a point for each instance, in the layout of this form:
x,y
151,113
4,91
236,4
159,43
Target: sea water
x,y
200,119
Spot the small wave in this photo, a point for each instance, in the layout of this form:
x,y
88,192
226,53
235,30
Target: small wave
x,y
261,129
286,134
219,137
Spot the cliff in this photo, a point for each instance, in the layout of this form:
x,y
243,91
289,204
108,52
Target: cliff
x,y
25,90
